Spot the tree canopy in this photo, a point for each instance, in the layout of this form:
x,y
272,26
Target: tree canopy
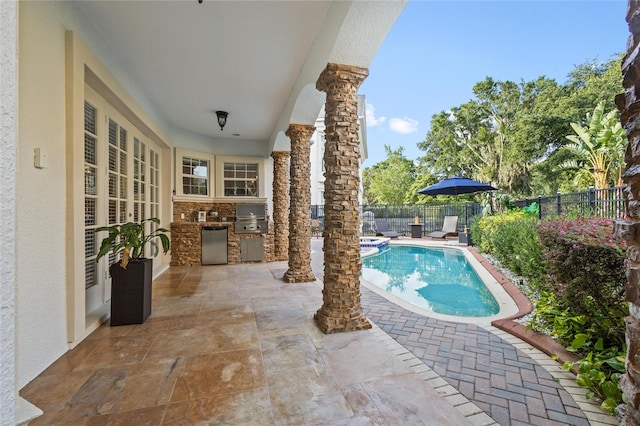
x,y
388,181
511,135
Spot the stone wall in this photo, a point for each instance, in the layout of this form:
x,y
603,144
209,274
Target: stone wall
x,y
629,105
191,209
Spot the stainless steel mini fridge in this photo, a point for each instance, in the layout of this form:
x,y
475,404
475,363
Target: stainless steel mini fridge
x,y
214,245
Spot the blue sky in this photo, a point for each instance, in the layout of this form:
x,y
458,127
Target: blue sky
x,y
438,50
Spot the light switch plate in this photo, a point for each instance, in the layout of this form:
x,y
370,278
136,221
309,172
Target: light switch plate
x,y
40,159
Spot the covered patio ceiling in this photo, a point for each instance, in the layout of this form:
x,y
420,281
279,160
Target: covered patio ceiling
x,y
257,60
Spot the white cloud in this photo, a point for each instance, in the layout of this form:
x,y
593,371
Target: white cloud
x,y
403,125
372,120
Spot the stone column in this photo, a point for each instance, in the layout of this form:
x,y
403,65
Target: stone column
x,y
280,204
300,205
341,309
629,229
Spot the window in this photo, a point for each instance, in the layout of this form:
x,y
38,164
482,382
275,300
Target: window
x,y
201,176
240,179
90,193
194,174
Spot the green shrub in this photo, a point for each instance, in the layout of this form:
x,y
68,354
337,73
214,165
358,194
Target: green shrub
x,y
585,270
513,240
585,306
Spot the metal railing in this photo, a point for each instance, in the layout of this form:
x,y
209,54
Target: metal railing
x,y
605,203
400,217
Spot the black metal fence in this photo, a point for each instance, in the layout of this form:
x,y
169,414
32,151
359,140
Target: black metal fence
x,y
606,203
400,217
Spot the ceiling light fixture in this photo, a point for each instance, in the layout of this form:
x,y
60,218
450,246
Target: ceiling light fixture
x,y
222,118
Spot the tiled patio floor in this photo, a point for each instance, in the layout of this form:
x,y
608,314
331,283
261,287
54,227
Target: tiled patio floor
x,y
236,345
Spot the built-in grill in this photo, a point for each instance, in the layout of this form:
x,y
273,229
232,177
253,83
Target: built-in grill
x,y
251,219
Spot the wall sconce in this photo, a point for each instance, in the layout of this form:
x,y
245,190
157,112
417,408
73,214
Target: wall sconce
x,y
222,118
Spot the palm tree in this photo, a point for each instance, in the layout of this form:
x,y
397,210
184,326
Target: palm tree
x,y
597,149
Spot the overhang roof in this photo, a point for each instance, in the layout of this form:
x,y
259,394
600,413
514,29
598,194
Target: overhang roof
x,y
257,60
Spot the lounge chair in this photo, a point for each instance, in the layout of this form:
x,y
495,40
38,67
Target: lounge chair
x,y
382,229
449,227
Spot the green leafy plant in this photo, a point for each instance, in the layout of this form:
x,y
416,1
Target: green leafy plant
x,y
599,371
598,148
130,239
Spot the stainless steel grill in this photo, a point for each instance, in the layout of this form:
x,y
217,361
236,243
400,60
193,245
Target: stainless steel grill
x,y
251,219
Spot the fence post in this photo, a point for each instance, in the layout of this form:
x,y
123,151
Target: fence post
x,y
592,198
386,211
466,217
559,203
540,207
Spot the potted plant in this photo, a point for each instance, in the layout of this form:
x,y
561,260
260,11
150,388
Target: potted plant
x,y
131,275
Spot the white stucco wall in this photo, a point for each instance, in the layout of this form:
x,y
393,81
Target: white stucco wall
x,y
8,142
40,208
317,151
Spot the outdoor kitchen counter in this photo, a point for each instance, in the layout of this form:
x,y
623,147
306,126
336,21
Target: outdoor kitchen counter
x,y
186,242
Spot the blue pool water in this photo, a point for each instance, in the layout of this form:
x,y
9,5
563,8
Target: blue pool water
x,y
437,279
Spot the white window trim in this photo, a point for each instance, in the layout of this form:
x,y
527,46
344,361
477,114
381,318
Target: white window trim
x,y
179,154
219,180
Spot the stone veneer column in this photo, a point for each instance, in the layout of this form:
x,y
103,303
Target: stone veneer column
x,y
300,205
629,229
281,204
341,309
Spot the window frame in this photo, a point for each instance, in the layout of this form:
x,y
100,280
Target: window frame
x,y
180,154
220,179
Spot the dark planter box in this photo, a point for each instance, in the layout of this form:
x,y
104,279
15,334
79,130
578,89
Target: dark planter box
x,y
464,238
416,230
131,292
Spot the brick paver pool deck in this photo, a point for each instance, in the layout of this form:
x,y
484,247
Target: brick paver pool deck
x,y
507,379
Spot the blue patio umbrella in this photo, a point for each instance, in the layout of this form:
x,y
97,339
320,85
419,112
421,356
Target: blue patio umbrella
x,y
456,185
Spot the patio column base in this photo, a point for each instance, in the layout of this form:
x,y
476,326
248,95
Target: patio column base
x,y
335,322
298,277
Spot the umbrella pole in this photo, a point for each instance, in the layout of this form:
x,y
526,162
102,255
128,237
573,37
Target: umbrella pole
x,y
491,202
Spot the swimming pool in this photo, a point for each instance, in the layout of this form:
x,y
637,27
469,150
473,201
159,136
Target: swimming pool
x,y
440,280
